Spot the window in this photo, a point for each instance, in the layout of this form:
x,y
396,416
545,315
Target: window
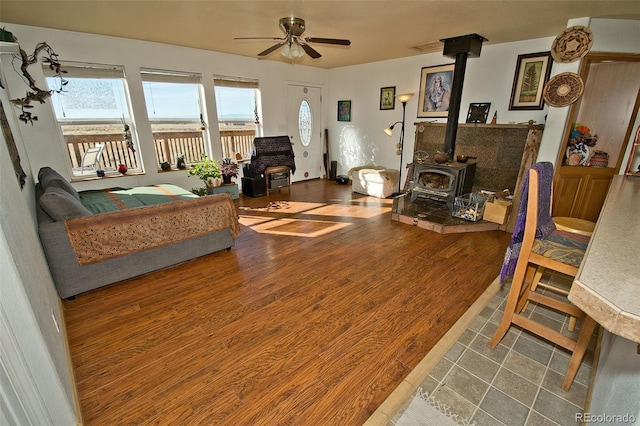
x,y
305,123
93,109
174,108
238,116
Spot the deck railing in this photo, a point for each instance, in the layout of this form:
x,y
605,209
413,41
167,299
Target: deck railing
x,y
115,150
168,145
237,142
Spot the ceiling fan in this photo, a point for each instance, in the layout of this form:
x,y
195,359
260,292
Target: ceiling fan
x,y
293,41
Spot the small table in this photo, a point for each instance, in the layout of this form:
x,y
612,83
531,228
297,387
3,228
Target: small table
x,y
276,169
226,188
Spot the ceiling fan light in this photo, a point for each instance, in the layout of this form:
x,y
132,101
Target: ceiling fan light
x,y
292,50
286,51
296,51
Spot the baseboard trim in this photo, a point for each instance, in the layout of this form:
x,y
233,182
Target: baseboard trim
x,y
72,376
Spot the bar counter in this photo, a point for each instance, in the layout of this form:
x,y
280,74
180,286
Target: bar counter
x,y
607,286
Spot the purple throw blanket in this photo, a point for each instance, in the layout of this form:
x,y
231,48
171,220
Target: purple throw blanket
x,y
545,223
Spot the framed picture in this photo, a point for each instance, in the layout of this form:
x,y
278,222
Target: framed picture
x,y
478,112
435,91
388,97
532,73
344,110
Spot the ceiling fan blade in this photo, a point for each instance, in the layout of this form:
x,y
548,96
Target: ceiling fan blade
x,y
271,49
339,41
310,51
258,38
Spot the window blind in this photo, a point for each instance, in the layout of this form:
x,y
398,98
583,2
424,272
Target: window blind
x,y
87,70
238,82
158,76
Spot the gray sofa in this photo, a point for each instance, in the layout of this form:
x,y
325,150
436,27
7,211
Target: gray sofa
x,y
143,230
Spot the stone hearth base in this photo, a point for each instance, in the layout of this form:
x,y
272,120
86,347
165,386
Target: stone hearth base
x,y
434,216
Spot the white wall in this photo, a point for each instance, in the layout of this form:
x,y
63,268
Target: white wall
x,y
557,118
42,140
28,296
28,300
488,78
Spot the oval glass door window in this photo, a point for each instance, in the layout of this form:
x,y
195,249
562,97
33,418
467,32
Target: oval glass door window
x,y
305,123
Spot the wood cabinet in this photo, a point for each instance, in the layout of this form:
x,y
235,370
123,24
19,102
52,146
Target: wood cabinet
x,y
609,107
580,191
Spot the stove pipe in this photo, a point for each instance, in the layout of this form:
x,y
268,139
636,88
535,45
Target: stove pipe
x,y
459,48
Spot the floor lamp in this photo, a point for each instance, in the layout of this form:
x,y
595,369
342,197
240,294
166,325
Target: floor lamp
x,y
403,98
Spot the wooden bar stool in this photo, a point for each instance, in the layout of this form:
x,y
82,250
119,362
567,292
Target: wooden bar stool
x,y
575,226
536,246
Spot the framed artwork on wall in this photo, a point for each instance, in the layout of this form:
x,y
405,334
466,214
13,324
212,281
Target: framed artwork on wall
x,y
532,73
478,112
344,110
435,91
388,97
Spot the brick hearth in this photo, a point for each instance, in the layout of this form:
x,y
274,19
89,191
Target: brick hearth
x,y
434,216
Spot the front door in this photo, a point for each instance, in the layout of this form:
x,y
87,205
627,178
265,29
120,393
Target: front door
x,y
303,118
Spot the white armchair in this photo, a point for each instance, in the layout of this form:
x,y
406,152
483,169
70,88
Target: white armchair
x,y
376,181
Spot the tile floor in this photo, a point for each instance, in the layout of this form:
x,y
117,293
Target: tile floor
x,y
516,383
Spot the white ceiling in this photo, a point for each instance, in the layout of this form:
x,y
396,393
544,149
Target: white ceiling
x,y
378,30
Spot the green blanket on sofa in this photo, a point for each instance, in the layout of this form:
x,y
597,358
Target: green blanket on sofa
x,y
115,199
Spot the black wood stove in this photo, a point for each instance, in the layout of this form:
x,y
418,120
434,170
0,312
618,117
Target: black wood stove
x,y
441,182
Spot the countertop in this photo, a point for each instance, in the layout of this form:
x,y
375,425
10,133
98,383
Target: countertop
x,y
607,286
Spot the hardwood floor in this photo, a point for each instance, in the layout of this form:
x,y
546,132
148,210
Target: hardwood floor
x,y
315,316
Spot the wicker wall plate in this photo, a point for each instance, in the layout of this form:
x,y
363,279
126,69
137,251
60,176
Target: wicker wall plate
x,y
572,44
563,89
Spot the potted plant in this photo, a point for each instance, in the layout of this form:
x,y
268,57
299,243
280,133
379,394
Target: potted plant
x,y
208,170
180,162
229,170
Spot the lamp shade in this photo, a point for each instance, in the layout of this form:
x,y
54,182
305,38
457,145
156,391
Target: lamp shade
x,y
389,130
404,97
